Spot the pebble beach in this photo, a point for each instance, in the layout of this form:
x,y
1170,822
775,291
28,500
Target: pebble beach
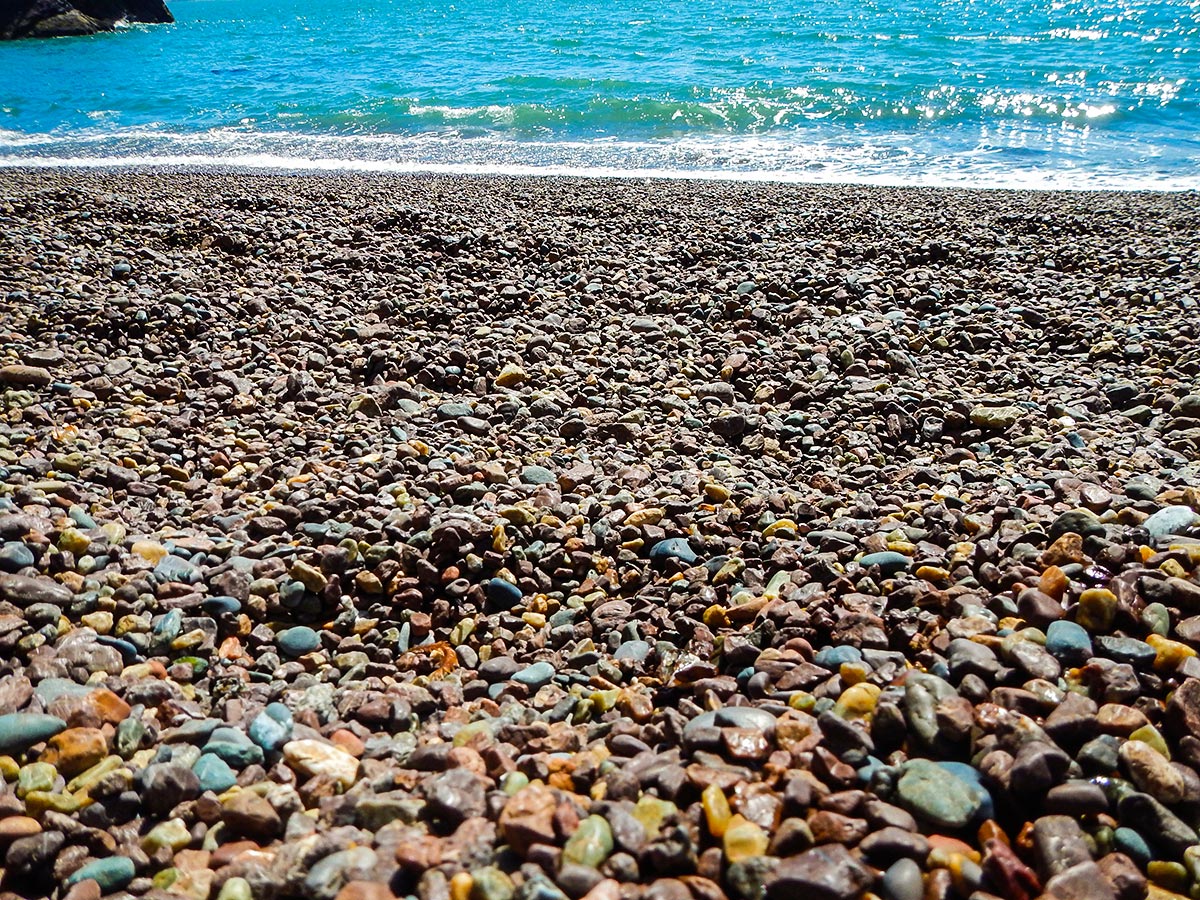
x,y
483,538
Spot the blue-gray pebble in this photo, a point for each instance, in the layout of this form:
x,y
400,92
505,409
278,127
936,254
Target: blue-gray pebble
x,y
298,640
536,676
1068,642
20,731
674,548
214,773
503,592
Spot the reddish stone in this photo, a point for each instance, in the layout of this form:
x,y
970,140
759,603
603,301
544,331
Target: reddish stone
x,y
834,828
528,818
419,854
1123,874
227,853
1007,874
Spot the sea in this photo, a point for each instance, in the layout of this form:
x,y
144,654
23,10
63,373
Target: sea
x,y
1081,94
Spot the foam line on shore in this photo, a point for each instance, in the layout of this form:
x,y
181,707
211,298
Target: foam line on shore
x,y
1033,180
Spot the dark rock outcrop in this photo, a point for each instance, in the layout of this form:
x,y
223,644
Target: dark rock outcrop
x,y
59,18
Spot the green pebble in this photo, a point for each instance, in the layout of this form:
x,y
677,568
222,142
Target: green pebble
x,y
172,833
164,879
236,889
1191,859
591,843
1157,618
513,782
38,776
491,884
199,666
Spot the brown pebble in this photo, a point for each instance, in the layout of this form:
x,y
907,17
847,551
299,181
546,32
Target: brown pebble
x,y
88,889
24,376
365,890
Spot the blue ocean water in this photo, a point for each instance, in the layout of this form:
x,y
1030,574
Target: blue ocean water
x,y
1041,93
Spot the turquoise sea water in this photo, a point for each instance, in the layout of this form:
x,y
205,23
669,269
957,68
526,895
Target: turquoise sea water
x,y
1079,93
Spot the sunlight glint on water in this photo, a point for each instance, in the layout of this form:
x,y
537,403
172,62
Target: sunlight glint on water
x,y
990,92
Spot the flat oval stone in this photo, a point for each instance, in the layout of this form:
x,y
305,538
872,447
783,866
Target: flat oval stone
x,y
313,757
24,376
498,668
475,425
538,475
536,676
1124,649
111,874
503,593
827,871
744,717
221,605
1083,522
454,410
889,561
193,731
298,640
1076,798
20,731
24,591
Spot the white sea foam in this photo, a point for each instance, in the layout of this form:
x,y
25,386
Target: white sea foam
x,y
1016,179
994,159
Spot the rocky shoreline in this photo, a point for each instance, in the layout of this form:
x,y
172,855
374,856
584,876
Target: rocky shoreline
x,y
480,539
73,18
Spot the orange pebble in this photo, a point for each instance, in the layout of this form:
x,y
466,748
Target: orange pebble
x,y
1053,582
953,845
348,741
990,830
1025,837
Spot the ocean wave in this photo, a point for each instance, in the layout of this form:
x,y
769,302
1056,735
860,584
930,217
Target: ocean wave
x,y
881,162
753,109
